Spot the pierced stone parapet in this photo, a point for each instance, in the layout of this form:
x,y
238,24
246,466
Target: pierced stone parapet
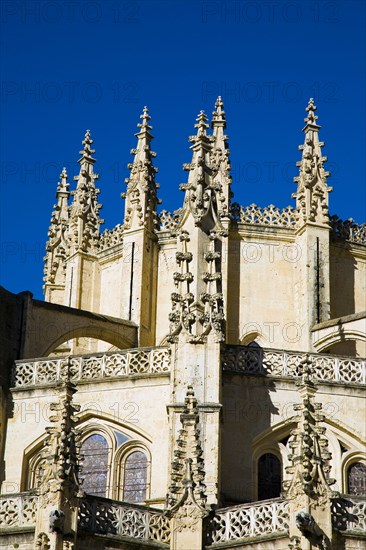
x,y
111,237
349,514
269,215
269,362
348,230
169,221
108,517
18,510
121,364
246,521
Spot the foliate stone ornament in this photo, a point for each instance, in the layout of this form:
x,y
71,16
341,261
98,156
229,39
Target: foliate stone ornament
x,y
312,189
57,245
141,194
43,542
85,222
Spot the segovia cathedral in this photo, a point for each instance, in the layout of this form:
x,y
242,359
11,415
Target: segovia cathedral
x,y
193,380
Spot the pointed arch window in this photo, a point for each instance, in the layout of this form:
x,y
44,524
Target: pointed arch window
x,y
269,476
95,465
356,477
135,477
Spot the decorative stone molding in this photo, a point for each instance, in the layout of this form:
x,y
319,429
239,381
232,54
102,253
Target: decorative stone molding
x,y
277,363
247,521
108,517
92,367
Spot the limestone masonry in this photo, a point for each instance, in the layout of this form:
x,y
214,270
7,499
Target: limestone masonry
x,y
193,380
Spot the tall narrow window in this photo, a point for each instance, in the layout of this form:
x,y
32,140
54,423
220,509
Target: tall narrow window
x,y
135,477
269,477
357,479
95,465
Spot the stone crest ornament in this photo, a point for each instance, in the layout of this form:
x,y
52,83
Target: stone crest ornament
x,y
312,189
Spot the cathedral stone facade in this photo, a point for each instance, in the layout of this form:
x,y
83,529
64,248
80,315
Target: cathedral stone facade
x,y
193,380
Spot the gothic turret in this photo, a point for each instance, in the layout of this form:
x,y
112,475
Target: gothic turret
x,y
312,189
85,221
141,195
57,246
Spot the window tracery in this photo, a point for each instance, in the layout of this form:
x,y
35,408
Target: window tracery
x,y
135,477
356,478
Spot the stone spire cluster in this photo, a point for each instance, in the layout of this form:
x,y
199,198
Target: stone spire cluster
x,y
312,189
141,195
309,455
57,246
85,222
188,475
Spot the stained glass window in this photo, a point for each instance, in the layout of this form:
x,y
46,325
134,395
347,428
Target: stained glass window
x,y
357,479
269,477
135,477
95,465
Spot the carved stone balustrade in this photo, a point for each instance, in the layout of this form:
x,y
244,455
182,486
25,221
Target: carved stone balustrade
x,y
246,521
98,366
278,363
348,230
269,216
349,514
120,519
111,237
18,510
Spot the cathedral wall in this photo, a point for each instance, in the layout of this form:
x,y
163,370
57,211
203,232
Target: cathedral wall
x,y
166,267
256,419
135,408
111,284
266,295
347,279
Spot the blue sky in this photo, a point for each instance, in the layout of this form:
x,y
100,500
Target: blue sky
x,y
69,66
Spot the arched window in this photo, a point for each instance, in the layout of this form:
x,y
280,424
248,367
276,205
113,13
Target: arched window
x,y
269,477
36,471
94,451
356,477
135,477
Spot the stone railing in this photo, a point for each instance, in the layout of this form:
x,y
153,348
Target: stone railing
x,y
328,368
349,514
169,220
270,215
249,520
348,230
121,520
111,237
117,364
18,510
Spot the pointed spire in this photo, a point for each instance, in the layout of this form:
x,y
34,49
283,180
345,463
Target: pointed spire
x,y
220,161
188,467
57,246
312,189
85,221
309,457
141,195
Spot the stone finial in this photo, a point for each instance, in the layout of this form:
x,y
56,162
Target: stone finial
x,y
312,189
85,222
188,466
57,245
220,162
218,115
309,458
141,194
